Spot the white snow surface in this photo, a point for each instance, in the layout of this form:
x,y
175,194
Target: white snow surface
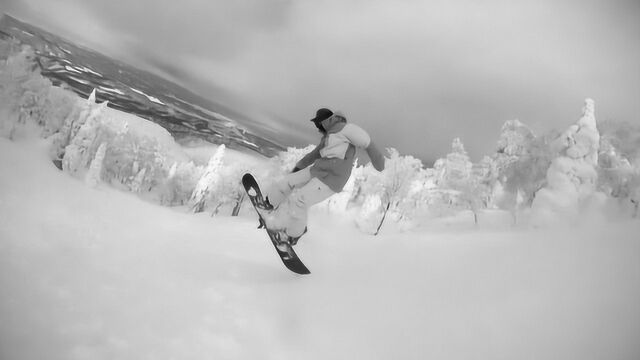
x,y
95,273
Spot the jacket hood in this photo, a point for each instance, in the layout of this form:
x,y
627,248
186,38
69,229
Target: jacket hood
x,y
336,123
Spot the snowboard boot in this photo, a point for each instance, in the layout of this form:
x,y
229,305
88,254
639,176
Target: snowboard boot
x,y
264,209
285,241
294,240
267,205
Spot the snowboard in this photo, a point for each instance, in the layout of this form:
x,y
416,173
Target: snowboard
x,y
288,256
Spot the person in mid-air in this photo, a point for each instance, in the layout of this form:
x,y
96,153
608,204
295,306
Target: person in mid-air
x,y
318,175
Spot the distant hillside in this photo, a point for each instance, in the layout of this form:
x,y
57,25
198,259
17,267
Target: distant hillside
x,y
183,113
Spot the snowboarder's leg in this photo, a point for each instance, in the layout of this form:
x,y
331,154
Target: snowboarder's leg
x,y
315,191
277,194
280,190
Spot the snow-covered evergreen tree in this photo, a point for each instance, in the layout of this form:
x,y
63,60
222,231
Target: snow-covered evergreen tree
x,y
624,137
619,165
614,171
136,185
526,174
228,190
82,147
180,183
30,104
572,176
94,175
457,188
28,98
487,174
456,167
71,125
208,180
149,154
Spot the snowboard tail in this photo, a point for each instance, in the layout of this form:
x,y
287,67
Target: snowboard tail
x,y
288,256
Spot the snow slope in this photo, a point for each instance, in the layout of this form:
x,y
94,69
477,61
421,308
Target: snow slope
x,y
94,273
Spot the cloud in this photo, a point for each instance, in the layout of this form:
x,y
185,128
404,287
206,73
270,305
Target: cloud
x,y
414,73
217,29
444,69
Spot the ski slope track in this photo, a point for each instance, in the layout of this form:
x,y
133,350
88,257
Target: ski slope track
x,y
95,273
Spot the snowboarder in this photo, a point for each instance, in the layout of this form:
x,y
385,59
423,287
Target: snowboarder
x,y
318,175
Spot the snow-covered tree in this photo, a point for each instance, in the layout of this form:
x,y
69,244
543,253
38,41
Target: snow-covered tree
x,y
476,192
487,174
136,185
457,185
166,194
84,144
619,170
582,140
614,172
420,195
208,180
358,181
512,151
285,161
456,167
180,183
624,137
228,190
515,139
369,218
523,177
94,175
71,125
27,97
393,183
30,104
150,155
571,177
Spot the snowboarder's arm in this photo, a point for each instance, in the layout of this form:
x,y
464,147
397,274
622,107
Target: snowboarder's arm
x,y
360,138
308,159
377,159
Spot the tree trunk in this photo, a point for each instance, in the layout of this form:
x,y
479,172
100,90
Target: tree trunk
x,y
384,215
216,210
198,207
236,209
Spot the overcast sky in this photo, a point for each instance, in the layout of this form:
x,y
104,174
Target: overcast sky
x,y
415,74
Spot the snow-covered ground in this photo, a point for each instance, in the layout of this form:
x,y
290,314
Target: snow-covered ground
x,y
95,273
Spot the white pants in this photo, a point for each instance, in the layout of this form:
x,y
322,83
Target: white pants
x,y
292,197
